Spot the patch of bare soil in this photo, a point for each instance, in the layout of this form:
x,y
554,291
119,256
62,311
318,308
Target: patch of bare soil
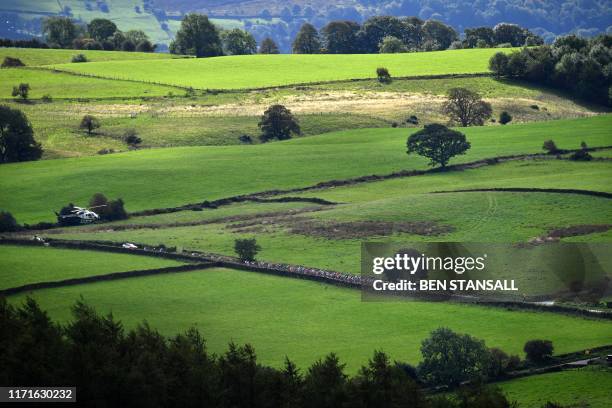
x,y
577,230
556,234
364,229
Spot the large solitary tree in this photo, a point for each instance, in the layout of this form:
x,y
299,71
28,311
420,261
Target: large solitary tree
x,y
466,107
197,36
16,137
438,143
279,123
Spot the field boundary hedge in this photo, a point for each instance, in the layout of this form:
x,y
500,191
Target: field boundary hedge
x,y
288,270
352,181
54,68
105,277
531,190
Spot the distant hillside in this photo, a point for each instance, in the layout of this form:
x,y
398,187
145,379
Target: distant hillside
x,y
281,19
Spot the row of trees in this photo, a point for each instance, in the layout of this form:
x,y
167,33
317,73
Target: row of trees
x,y
578,65
200,37
388,34
140,367
99,34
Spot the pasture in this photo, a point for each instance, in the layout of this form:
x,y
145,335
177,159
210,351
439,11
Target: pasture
x,y
22,265
259,71
580,387
60,85
39,57
306,320
143,178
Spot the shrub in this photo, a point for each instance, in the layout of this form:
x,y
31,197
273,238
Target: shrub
x,y
394,124
22,90
438,143
10,62
413,119
581,155
550,147
47,98
538,351
505,117
89,123
131,137
107,210
383,75
501,363
8,222
246,249
106,151
79,58
246,139
534,107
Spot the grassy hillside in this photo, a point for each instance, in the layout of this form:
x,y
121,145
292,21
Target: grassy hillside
x,y
472,217
588,387
306,320
143,178
22,265
37,57
256,71
61,85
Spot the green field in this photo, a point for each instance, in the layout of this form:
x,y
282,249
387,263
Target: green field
x,y
38,57
257,71
22,265
142,178
61,85
306,320
585,387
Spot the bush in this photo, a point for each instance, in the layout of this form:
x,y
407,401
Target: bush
x,y
47,98
534,107
79,58
538,351
581,155
107,210
501,363
8,222
106,151
89,123
413,119
10,62
131,137
505,117
246,139
22,90
246,249
383,75
550,147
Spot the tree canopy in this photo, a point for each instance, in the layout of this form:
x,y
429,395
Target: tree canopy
x,y
197,36
17,137
438,143
279,123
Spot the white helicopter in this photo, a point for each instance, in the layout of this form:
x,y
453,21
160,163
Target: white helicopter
x,y
84,215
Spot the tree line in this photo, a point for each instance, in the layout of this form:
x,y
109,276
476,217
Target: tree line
x,y
580,66
98,34
112,366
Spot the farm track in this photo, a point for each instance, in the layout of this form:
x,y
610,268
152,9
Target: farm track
x,y
286,270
